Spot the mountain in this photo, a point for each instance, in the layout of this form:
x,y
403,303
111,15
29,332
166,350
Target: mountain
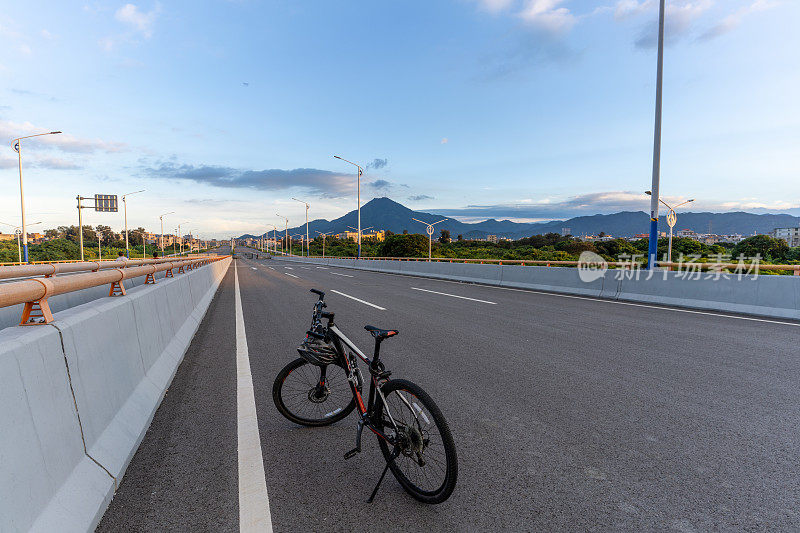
x,y
386,214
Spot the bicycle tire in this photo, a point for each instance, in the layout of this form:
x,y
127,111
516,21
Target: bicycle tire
x,y
446,488
323,418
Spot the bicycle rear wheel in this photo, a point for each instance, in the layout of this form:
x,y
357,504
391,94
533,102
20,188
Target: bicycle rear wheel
x,y
426,464
306,396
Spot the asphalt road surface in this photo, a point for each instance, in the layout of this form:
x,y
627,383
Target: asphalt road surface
x,y
569,414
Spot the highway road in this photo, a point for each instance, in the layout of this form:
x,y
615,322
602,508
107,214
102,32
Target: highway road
x,y
568,413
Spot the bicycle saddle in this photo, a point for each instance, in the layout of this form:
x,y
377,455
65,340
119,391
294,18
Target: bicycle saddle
x,y
379,333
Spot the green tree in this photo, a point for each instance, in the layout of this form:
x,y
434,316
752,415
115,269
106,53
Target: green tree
x,y
415,245
444,236
767,247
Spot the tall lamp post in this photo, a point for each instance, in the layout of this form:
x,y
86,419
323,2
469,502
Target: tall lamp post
x,y
161,237
323,242
17,145
653,243
285,232
18,232
301,242
307,206
672,219
125,208
274,238
360,172
179,234
429,230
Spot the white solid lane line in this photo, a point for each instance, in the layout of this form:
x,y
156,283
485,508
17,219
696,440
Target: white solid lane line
x,y
345,275
298,277
358,300
254,512
454,296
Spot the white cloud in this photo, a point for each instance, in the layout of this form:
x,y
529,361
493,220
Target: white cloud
x,y
46,34
547,15
57,163
495,6
734,19
64,142
631,8
140,21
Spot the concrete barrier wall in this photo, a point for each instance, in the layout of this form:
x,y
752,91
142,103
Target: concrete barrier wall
x,y
77,397
764,295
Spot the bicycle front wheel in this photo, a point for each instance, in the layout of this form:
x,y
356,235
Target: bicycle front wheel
x,y
313,395
423,458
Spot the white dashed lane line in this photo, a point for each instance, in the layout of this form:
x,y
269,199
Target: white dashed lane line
x,y
298,277
359,300
454,296
345,275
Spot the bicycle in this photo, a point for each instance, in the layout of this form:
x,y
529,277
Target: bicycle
x,y
412,433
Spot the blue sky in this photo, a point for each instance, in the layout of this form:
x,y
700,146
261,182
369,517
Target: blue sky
x,y
521,109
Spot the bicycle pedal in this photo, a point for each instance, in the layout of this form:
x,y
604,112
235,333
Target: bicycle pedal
x,y
351,453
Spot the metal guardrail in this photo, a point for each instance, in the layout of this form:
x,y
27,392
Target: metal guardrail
x,y
52,269
620,264
35,292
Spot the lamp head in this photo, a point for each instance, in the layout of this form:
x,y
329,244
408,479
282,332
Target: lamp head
x,y
54,132
648,193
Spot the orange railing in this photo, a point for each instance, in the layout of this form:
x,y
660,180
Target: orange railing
x,y
35,292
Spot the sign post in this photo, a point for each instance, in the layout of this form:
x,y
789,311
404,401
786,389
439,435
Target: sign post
x,y
104,203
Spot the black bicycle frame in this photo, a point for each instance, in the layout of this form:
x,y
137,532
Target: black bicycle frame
x,y
340,341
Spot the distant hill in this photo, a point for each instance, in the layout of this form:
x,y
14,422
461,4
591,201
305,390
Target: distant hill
x,y
386,214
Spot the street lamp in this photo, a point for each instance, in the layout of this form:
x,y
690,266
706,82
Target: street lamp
x,y
323,242
180,237
125,208
18,232
274,237
653,244
672,219
429,230
17,145
307,206
161,237
301,242
285,232
360,172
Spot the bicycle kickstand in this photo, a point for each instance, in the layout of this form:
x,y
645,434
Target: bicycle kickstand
x,y
395,453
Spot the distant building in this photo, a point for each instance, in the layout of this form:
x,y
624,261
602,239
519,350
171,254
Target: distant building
x,y
566,231
687,234
492,238
7,236
790,235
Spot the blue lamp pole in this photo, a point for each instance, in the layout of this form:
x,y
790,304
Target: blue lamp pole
x,y
654,198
